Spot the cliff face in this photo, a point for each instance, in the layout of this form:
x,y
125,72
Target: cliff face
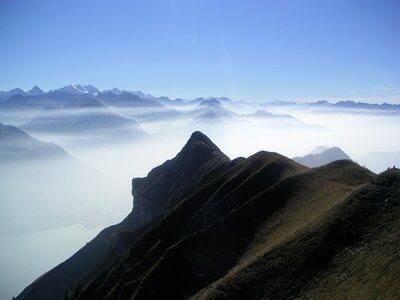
x,y
206,227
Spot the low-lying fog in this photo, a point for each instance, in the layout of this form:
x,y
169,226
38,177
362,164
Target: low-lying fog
x,y
50,209
27,256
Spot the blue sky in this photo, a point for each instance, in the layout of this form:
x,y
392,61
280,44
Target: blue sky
x,y
249,50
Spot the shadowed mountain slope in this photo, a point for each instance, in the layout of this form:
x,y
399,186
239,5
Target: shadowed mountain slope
x,y
206,227
199,158
351,253
219,193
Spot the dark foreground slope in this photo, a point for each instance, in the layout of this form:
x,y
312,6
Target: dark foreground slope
x,y
261,227
350,253
195,163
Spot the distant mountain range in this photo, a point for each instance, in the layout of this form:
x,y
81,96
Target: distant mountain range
x,y
35,91
321,155
78,89
90,90
204,226
212,110
340,105
79,109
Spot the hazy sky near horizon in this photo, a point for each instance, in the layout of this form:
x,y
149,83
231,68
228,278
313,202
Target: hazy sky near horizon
x,y
246,50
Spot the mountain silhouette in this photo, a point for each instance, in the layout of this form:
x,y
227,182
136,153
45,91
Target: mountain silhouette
x,y
18,99
321,156
211,110
108,95
208,227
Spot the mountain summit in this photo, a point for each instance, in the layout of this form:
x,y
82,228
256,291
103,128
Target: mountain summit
x,y
35,91
193,166
200,140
